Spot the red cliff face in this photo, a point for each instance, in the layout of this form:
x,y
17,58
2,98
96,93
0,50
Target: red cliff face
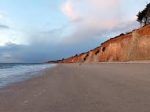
x,y
125,47
131,46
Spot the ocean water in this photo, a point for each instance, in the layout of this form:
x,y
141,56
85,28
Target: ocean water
x,y
12,72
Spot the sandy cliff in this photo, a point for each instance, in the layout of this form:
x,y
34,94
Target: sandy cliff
x,y
134,45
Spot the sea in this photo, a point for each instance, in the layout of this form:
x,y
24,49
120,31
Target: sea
x,y
16,72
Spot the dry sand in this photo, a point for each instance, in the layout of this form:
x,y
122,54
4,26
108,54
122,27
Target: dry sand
x,y
82,88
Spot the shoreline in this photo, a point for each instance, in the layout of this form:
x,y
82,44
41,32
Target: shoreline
x,y
81,88
35,74
42,73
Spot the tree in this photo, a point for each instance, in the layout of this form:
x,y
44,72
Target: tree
x,y
144,16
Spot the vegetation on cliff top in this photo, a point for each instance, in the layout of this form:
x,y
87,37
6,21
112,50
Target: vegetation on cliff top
x,y
144,16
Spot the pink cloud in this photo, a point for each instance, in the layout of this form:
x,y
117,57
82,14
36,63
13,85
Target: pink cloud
x,y
96,16
68,10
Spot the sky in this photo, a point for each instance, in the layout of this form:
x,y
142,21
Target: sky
x,y
43,30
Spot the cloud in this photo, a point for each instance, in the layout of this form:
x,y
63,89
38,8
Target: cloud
x,y
90,23
53,36
91,9
98,21
8,35
4,27
8,32
41,47
97,17
68,9
5,22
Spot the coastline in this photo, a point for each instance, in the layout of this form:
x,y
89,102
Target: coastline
x,y
28,76
82,88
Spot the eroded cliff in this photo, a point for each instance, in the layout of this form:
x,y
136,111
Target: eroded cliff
x,y
134,45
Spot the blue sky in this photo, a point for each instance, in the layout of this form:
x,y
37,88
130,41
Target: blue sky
x,y
33,14
42,30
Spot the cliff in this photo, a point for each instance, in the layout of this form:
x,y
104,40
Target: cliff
x,y
134,45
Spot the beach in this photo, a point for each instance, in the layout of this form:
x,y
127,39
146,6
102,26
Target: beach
x,y
106,87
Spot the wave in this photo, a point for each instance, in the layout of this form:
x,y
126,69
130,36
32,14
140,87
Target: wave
x,y
11,73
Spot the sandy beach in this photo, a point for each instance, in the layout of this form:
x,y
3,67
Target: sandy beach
x,y
107,87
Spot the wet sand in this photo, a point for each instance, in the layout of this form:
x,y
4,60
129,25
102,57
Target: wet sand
x,y
107,87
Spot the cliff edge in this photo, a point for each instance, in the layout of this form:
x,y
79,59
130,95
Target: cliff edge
x,y
132,46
